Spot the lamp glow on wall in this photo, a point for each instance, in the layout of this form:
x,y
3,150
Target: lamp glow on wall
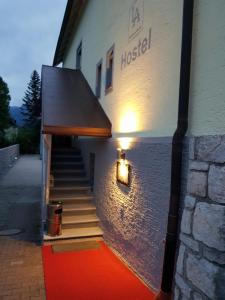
x,y
128,126
128,122
123,169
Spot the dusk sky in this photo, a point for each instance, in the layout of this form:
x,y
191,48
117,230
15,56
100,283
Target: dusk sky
x,y
28,35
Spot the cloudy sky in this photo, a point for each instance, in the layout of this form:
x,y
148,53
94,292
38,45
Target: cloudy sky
x,y
29,31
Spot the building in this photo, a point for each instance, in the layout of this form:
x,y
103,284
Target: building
x,y
136,57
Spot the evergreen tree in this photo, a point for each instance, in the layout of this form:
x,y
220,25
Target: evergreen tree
x,y
31,108
5,98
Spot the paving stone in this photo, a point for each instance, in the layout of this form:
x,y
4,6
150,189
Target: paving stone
x,y
209,225
20,280
210,148
206,276
216,184
197,183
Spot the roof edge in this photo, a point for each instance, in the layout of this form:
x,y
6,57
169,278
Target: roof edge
x,y
72,13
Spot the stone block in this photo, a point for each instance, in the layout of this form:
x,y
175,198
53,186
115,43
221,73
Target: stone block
x,y
216,183
210,148
189,202
183,286
192,148
186,221
180,260
209,225
214,255
197,296
198,165
189,242
197,183
206,276
176,293
183,297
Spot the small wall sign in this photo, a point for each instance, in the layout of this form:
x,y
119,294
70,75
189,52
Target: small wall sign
x,y
136,18
123,172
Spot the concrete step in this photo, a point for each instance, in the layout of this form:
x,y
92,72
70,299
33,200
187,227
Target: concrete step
x,y
69,178
67,165
70,183
80,221
69,188
64,151
72,188
73,209
68,199
73,240
69,156
68,173
72,159
68,233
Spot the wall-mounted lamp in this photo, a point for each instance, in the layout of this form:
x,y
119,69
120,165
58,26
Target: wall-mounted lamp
x,y
123,169
121,153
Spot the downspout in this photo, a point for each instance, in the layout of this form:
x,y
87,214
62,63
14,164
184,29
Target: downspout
x,y
177,149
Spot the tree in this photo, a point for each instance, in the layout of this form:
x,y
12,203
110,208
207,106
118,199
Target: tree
x,y
5,98
31,108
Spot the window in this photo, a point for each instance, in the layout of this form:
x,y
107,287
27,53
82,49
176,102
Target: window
x,y
98,79
109,70
79,56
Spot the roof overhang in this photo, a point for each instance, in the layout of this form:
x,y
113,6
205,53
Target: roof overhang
x,y
69,106
73,11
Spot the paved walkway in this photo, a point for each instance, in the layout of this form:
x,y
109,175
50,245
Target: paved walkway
x,y
21,272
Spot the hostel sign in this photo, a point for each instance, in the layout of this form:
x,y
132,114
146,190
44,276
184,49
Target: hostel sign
x,y
139,49
136,20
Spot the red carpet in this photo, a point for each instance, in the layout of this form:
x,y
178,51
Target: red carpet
x,y
90,275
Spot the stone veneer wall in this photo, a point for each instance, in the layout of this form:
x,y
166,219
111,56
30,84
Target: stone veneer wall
x,y
200,272
134,218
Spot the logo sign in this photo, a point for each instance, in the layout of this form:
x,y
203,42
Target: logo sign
x,y
136,17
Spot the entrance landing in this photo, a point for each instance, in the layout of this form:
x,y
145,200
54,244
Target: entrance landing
x,y
93,274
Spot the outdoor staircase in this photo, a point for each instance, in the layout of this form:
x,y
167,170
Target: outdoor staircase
x,y
70,185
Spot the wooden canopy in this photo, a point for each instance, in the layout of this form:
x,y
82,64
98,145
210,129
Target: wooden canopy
x,y
69,106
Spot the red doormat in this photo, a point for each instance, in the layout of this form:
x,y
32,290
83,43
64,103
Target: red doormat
x,y
95,274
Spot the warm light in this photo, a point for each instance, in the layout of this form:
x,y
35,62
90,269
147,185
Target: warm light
x,y
125,142
128,122
123,172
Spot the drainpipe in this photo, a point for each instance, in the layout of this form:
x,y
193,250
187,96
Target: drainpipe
x,y
177,148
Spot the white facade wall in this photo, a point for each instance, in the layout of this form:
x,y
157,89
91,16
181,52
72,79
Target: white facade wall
x,y
145,93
